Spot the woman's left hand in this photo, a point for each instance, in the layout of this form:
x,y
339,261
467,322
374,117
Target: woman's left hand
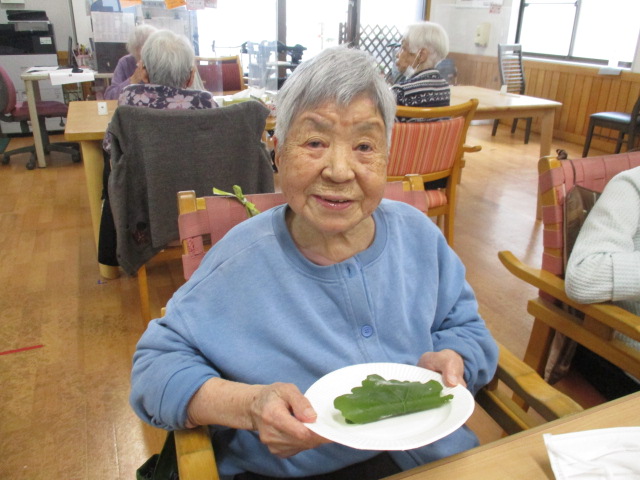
x,y
446,362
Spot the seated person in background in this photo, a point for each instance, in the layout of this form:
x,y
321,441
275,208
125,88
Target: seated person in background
x,y
168,67
423,46
167,70
338,276
128,70
604,264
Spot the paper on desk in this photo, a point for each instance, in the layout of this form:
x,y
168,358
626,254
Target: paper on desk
x,y
60,77
601,454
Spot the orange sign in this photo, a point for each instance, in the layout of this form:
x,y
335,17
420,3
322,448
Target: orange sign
x,y
175,3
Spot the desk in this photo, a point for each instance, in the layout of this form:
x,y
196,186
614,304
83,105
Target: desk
x,y
493,104
524,454
85,126
33,95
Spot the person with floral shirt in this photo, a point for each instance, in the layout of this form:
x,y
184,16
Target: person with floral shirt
x,y
168,70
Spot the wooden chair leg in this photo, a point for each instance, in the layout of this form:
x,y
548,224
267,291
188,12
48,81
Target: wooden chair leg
x,y
539,346
514,125
448,228
143,291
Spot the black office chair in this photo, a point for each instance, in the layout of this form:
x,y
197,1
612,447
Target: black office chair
x,y
624,123
12,111
512,75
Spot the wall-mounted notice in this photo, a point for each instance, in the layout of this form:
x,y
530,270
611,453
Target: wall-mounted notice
x,y
112,27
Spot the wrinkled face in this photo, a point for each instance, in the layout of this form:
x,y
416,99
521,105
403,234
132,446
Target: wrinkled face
x,y
404,58
332,167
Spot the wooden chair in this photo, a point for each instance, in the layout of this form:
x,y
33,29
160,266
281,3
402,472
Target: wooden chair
x,y
434,150
201,217
512,75
624,123
221,75
201,149
589,325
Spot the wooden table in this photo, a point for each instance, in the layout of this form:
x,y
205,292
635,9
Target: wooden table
x,y
493,104
85,126
33,95
524,454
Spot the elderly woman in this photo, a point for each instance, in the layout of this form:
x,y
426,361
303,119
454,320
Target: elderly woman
x,y
604,266
167,70
128,70
336,277
423,46
168,66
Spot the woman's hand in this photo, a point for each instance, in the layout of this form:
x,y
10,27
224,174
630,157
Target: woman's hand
x,y
277,413
446,362
139,75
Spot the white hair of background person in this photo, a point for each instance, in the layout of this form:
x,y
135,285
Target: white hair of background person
x,y
430,36
336,75
137,38
168,58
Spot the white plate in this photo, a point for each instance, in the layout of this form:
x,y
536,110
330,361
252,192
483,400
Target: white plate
x,y
404,432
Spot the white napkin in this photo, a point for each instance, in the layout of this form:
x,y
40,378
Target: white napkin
x,y
603,454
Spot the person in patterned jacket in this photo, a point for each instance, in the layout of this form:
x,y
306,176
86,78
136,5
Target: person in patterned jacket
x,y
423,46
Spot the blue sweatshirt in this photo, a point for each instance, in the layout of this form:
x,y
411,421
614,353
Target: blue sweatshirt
x,y
257,311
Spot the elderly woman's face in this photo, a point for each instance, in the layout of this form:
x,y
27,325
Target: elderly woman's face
x,y
404,58
333,165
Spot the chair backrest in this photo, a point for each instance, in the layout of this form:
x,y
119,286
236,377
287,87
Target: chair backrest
x,y
221,74
556,179
7,93
203,221
432,149
156,152
510,66
448,70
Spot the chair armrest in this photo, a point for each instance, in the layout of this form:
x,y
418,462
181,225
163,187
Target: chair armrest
x,y
509,407
532,388
196,460
611,315
471,148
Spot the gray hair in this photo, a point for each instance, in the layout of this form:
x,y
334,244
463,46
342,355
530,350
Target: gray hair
x,y
428,35
137,38
337,75
168,58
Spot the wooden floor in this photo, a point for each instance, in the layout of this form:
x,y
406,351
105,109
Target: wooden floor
x,y
67,336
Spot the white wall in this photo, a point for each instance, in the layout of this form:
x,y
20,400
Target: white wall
x,y
461,20
57,11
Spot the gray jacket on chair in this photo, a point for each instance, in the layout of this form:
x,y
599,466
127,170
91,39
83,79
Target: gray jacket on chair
x,y
157,153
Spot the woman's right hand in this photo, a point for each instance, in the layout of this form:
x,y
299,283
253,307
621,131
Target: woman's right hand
x,y
277,413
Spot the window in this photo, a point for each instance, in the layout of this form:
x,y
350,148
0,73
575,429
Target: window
x,y
224,29
592,31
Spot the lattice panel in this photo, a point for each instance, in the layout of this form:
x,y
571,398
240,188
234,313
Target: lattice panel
x,y
376,39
